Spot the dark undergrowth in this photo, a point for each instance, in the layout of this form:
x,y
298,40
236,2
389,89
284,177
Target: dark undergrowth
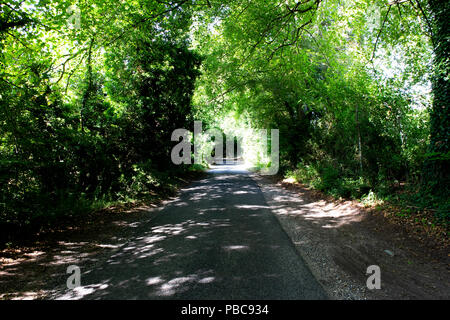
x,y
45,214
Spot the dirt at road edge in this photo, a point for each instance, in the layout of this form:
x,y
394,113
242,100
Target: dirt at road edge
x,y
340,239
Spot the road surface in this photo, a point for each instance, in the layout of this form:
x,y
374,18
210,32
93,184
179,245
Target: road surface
x,y
216,240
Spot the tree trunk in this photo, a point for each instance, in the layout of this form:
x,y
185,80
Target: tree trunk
x,y
436,167
359,140
87,93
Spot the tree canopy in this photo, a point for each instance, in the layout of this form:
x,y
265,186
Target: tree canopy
x,y
91,90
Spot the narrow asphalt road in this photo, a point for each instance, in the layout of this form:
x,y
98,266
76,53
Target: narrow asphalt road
x,y
217,240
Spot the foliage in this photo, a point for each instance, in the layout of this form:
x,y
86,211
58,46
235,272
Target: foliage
x,y
437,172
347,84
87,113
91,91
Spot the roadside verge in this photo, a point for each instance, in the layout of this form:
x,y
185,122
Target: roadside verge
x,y
340,239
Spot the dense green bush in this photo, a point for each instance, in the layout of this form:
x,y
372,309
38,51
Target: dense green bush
x,y
91,126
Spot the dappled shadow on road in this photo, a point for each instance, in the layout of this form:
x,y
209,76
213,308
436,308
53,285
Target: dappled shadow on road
x,y
33,272
326,214
205,244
